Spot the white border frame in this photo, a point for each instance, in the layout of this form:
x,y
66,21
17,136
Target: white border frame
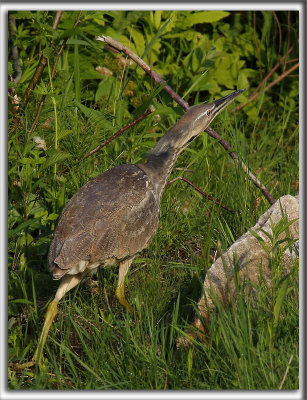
x,y
184,394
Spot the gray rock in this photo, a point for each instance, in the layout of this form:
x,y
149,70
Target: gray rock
x,y
248,259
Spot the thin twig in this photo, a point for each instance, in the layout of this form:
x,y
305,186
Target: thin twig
x,y
15,56
158,79
36,77
183,169
288,41
43,98
254,95
181,178
273,70
57,19
257,45
282,76
147,112
17,69
136,121
286,373
279,30
41,65
235,157
278,79
291,61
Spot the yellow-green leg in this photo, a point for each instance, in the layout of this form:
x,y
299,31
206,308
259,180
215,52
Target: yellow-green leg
x,y
67,283
50,315
120,289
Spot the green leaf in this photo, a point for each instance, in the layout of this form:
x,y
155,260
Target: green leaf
x,y
205,17
140,110
78,41
48,52
21,301
24,15
96,117
27,74
265,247
77,73
55,156
280,297
157,18
138,39
154,39
33,223
190,362
10,68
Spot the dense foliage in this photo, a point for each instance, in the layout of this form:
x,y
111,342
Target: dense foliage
x,y
89,92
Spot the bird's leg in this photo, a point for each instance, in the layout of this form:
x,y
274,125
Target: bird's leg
x,y
120,289
68,282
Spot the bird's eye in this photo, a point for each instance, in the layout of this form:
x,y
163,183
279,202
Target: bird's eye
x,y
208,112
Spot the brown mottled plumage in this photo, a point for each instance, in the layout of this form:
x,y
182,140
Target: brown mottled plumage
x,y
110,219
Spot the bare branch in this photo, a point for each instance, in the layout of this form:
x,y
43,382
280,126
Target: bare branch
x,y
15,56
136,121
156,77
181,178
41,65
286,373
279,30
117,46
278,79
57,19
273,69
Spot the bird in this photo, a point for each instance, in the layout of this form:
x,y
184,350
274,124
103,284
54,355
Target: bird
x,y
115,215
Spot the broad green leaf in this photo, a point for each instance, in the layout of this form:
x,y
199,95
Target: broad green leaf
x,y
33,223
10,68
205,17
138,39
28,73
157,19
48,52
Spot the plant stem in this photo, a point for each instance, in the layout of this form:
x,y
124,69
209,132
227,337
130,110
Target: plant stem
x,y
55,115
42,101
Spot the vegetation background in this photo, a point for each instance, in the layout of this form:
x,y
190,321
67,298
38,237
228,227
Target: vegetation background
x,y
88,93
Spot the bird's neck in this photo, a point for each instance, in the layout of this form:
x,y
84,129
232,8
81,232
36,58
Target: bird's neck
x,y
159,167
162,157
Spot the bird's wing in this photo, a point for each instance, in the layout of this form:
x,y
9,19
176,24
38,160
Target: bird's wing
x,y
113,216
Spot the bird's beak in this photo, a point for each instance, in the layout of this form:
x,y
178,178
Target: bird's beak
x,y
224,101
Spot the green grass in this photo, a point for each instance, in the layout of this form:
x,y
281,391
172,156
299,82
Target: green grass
x,y
94,343
94,347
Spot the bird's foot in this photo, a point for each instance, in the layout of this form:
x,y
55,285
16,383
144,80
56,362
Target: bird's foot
x,y
20,367
120,294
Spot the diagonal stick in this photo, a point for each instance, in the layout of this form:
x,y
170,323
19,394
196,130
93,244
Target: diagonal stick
x,y
158,79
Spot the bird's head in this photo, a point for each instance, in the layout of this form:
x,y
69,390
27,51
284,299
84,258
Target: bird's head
x,y
192,124
199,117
